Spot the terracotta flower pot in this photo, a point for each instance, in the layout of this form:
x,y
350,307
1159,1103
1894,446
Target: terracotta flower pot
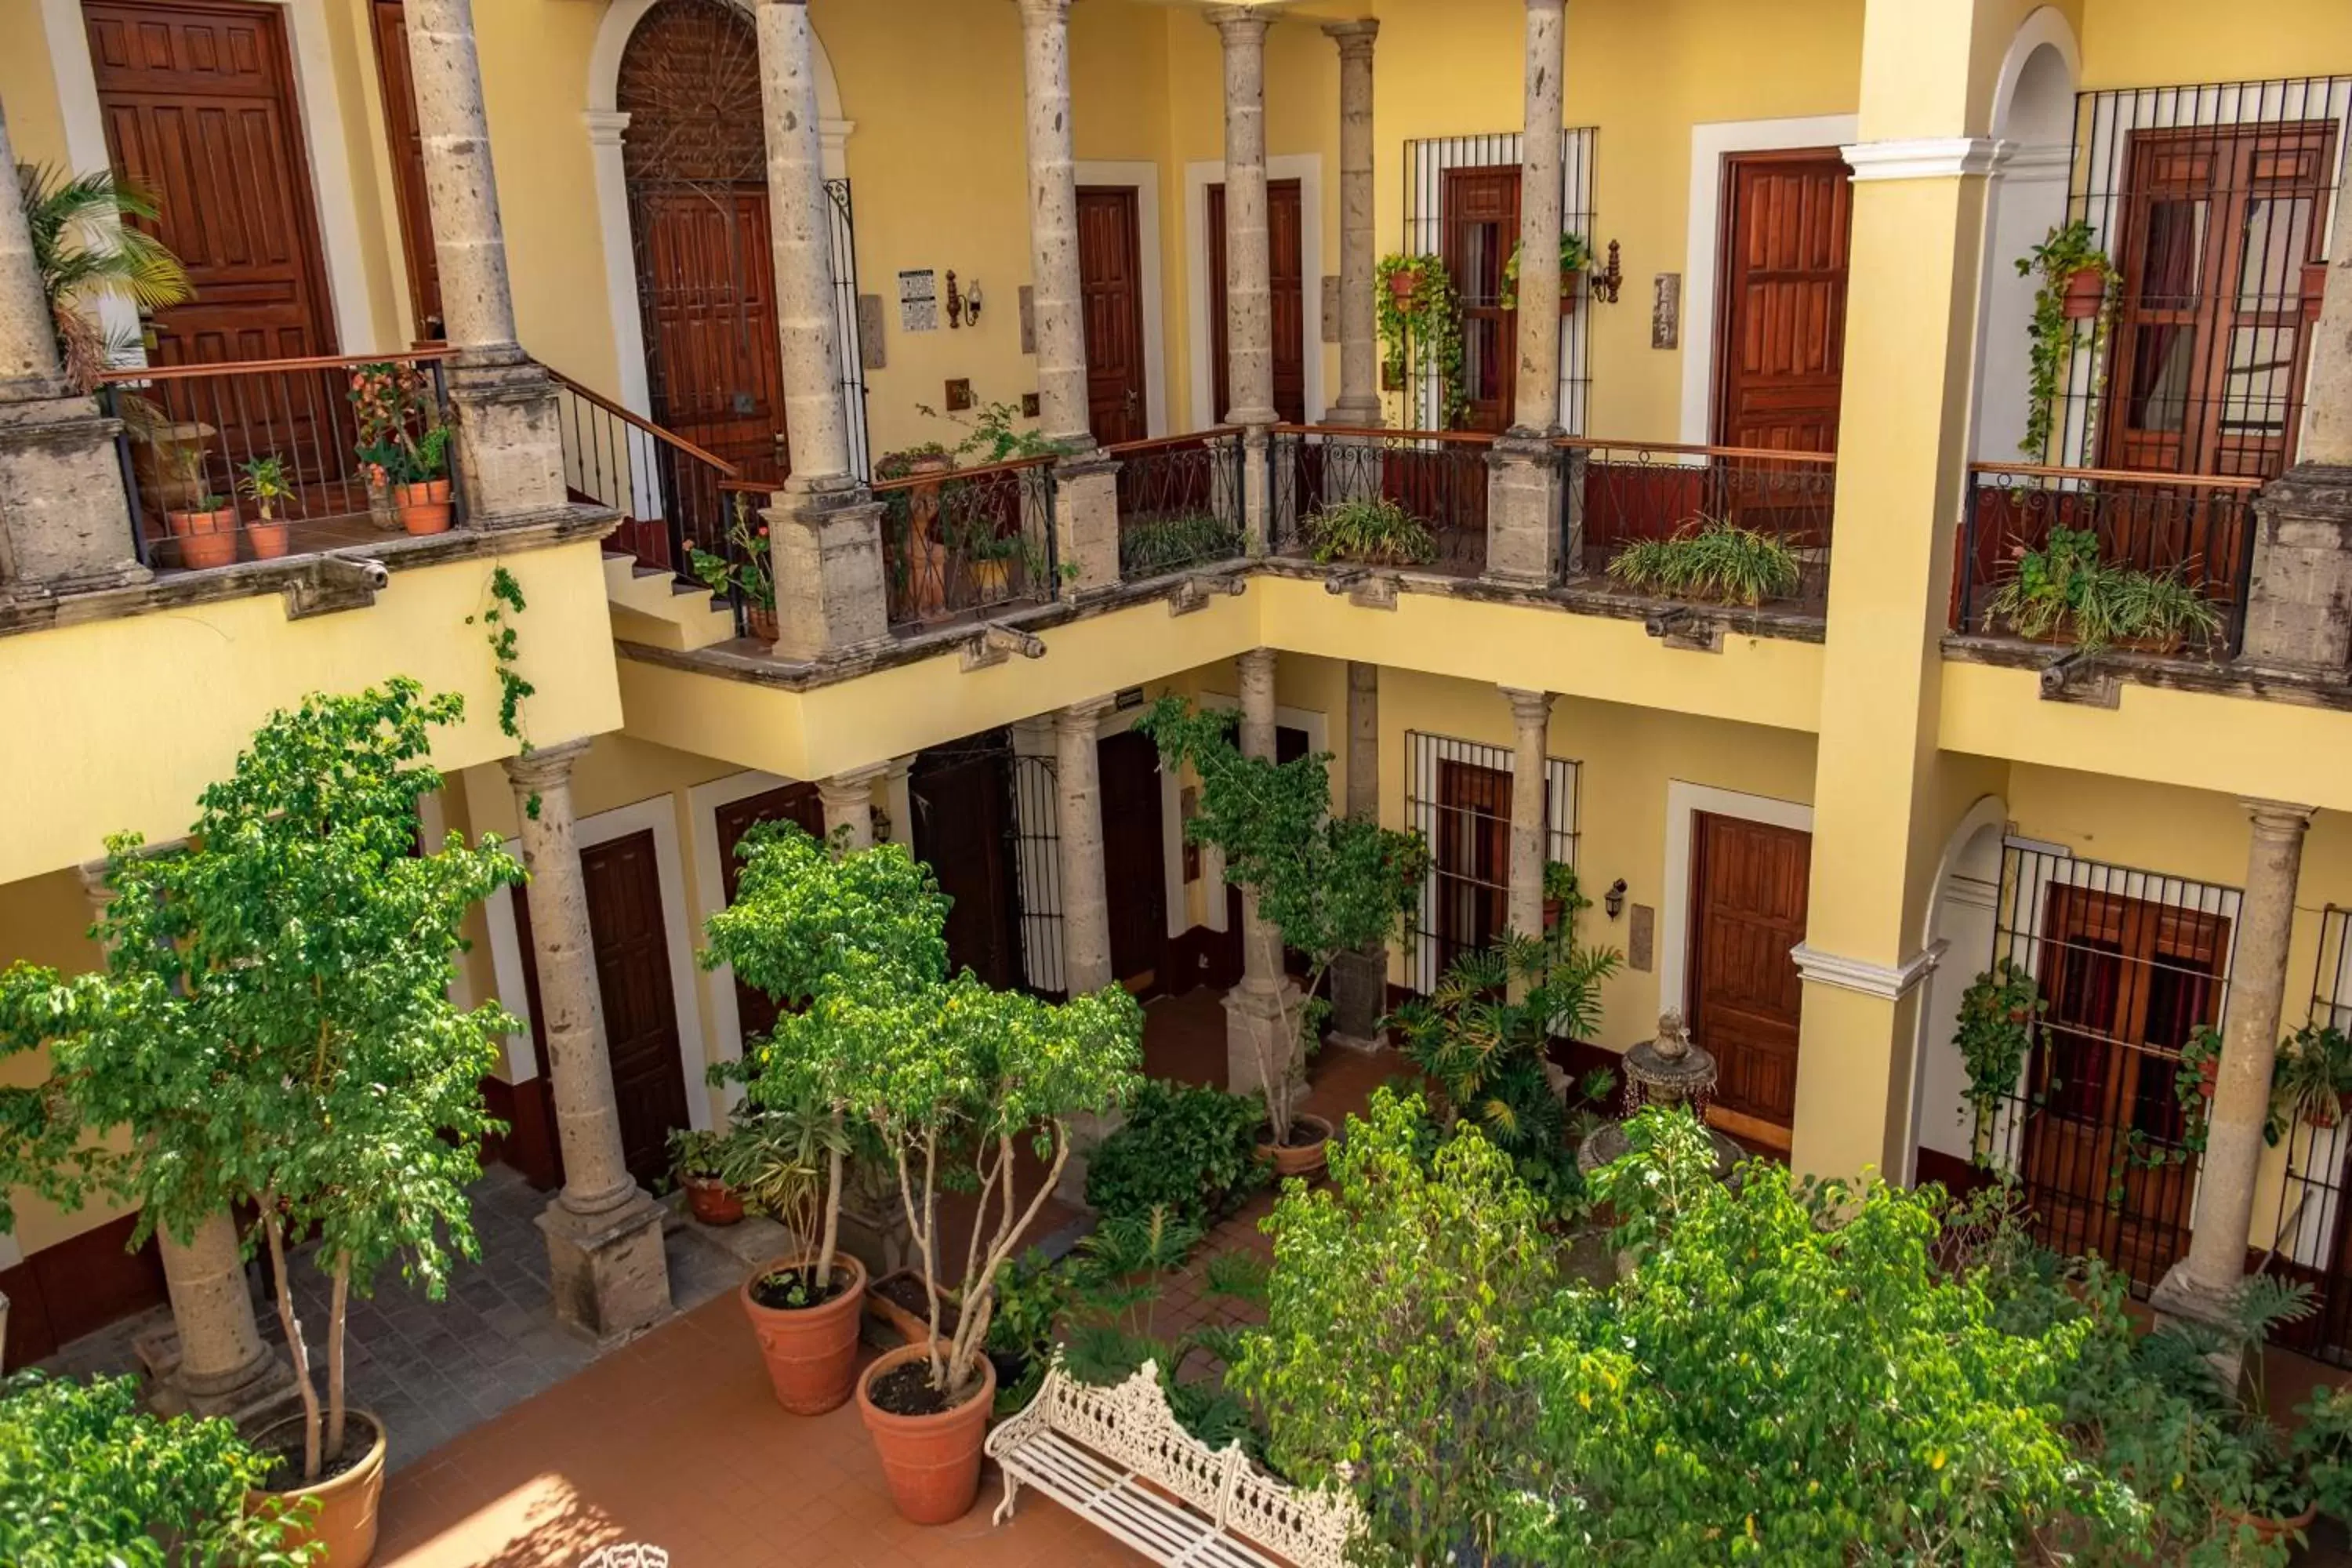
x,y
910,1324
423,508
811,1352
991,582
1299,1159
1403,285
2271,1531
2086,293
712,1200
345,1521
932,1462
206,538
760,621
270,539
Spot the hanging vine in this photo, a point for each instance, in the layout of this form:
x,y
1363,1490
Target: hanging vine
x,y
2071,248
505,602
1995,1031
1419,320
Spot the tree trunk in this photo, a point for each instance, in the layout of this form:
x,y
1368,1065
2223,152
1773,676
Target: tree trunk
x,y
833,1176
295,1351
335,1318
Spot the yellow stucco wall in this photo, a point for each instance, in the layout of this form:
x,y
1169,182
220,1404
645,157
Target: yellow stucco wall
x,y
130,718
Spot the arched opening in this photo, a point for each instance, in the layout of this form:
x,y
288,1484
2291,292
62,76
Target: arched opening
x,y
1962,917
694,162
2034,116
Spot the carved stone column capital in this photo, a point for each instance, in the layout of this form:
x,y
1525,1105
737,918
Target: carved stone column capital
x,y
544,768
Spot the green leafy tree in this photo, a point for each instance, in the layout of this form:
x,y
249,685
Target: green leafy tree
x,y
1328,884
1787,1377
272,1029
806,918
1397,1315
87,1479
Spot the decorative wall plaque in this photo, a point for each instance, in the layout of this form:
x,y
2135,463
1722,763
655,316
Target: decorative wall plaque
x,y
1666,312
1641,938
871,351
918,301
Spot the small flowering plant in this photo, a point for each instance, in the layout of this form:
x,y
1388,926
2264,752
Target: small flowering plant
x,y
745,569
401,440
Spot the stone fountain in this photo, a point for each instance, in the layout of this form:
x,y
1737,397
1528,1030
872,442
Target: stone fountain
x,y
1669,1071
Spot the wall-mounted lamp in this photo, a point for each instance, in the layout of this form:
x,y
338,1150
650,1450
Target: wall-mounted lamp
x,y
1613,900
971,303
955,304
1604,281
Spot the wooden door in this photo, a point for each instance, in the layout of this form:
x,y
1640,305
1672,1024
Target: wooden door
x,y
633,978
199,104
755,1011
1134,858
1473,859
1110,287
2223,233
407,146
1479,211
1781,338
963,820
1286,244
1747,904
695,159
2128,980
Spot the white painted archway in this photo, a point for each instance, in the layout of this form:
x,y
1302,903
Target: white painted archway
x,y
606,127
1960,915
2034,134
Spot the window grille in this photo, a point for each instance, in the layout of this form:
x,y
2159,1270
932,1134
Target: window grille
x,y
1037,846
1457,794
2306,1240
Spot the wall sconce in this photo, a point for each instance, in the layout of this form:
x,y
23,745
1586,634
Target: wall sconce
x,y
955,304
1604,281
971,303
1613,900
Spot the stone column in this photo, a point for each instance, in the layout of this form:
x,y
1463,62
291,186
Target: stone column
x,y
1531,724
509,440
1359,369
1086,495
2299,601
2200,1286
1086,897
213,1361
1256,1010
898,801
65,519
1523,507
824,527
605,1256
1359,979
1249,257
849,802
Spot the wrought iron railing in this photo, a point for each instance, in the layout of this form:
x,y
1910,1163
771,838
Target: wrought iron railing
x,y
265,459
671,494
2307,1241
1614,494
1180,503
2199,530
962,540
1437,479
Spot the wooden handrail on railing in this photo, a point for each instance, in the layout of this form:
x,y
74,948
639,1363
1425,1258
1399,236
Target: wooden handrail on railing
x,y
1372,433
597,400
1688,450
941,475
2117,476
1163,442
135,375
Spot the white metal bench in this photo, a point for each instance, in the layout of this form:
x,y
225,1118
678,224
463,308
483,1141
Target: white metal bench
x,y
1116,1458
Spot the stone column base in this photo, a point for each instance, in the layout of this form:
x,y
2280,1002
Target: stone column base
x,y
2299,601
1256,1021
1086,1133
2180,1299
1086,523
831,594
607,1271
68,526
510,441
1359,987
254,1396
1523,515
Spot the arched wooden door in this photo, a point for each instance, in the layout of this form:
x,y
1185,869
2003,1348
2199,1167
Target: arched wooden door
x,y
695,159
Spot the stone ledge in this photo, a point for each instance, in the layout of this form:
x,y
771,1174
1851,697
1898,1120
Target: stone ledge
x,y
2210,679
251,579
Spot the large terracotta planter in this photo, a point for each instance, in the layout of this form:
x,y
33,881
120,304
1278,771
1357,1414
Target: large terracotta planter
x,y
206,538
345,1521
2270,1531
811,1352
1299,1159
932,1462
909,1324
424,508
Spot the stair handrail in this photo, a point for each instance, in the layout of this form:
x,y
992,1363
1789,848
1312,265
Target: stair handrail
x,y
595,399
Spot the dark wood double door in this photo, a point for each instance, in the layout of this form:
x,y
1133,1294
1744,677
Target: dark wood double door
x,y
1286,251
1747,904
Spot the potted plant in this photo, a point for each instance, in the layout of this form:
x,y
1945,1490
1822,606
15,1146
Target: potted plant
x,y
2313,1075
272,1034
700,1157
1561,894
2078,284
744,576
1419,317
1713,560
266,484
810,928
2062,591
1575,258
204,524
402,443
1325,884
1994,1034
1373,529
422,493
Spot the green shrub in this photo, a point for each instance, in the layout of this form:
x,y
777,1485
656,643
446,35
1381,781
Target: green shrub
x,y
1712,560
1173,544
2064,589
1189,1149
1373,530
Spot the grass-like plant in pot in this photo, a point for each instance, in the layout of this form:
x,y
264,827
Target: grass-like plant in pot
x,y
2063,591
1173,544
1324,883
808,927
1712,560
272,1033
1373,531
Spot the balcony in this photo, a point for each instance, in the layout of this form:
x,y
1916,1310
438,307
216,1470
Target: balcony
x,y
1181,504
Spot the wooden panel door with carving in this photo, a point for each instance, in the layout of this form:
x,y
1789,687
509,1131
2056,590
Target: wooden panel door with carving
x,y
1286,248
1110,284
1781,354
1749,896
1481,225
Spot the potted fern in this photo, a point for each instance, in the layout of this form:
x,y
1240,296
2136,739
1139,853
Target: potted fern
x,y
1711,560
1373,529
2312,1075
2063,591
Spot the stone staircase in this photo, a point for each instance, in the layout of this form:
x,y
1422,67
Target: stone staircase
x,y
652,605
